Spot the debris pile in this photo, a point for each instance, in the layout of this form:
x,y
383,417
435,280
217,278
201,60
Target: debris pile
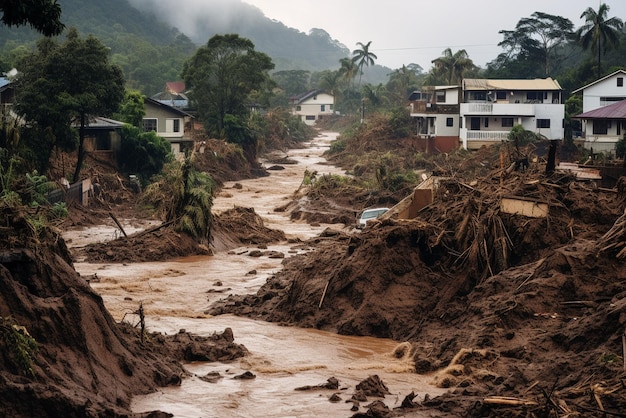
x,y
519,312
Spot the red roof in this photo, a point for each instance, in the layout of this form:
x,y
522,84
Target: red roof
x,y
616,110
175,87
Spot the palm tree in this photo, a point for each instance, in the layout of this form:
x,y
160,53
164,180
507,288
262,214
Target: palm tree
x,y
598,32
451,67
348,69
363,57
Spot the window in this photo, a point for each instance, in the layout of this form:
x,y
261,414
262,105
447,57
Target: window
x,y
449,122
486,122
478,95
441,97
620,81
298,108
323,108
531,95
172,125
600,127
310,117
149,125
507,122
500,95
543,123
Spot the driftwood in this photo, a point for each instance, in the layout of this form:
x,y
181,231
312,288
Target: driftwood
x,y
118,224
508,401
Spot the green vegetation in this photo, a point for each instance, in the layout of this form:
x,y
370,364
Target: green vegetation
x,y
143,153
18,347
221,75
62,83
42,15
599,33
184,197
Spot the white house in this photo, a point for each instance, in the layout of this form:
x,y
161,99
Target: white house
x,y
603,92
436,113
490,108
604,112
483,112
312,106
168,122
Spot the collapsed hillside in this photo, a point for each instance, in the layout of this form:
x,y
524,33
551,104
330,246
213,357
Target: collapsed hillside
x,y
494,304
62,354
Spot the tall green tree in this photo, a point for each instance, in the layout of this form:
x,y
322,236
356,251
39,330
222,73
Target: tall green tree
x,y
403,81
451,67
132,109
61,84
363,57
221,75
599,33
348,70
42,15
293,82
545,33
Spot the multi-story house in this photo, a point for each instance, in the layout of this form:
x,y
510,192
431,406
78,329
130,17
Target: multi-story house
x,y
312,106
483,112
168,122
490,108
436,113
604,112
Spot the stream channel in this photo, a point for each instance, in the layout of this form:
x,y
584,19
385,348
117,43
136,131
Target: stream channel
x,y
175,295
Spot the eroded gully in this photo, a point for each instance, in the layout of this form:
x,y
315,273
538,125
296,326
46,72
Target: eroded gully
x,y
175,295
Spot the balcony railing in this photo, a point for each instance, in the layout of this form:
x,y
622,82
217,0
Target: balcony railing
x,y
424,107
491,136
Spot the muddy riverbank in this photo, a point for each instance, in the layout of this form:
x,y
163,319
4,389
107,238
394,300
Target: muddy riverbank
x,y
177,295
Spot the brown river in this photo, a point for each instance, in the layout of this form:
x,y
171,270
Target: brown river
x,y
176,294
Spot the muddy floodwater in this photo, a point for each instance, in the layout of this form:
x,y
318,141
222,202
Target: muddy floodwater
x,y
176,294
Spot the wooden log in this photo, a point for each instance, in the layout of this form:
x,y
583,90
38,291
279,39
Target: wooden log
x,y
508,401
118,224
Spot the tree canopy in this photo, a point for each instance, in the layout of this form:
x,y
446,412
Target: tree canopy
x,y
42,15
221,75
60,85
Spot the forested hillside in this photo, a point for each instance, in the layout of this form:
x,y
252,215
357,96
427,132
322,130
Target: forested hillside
x,y
150,52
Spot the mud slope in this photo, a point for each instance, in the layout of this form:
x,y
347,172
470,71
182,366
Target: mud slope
x,y
85,364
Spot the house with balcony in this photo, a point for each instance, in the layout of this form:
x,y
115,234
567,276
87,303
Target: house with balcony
x,y
603,118
490,108
170,123
312,106
435,110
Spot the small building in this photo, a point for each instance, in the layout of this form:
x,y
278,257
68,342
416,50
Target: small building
x,y
435,110
604,127
103,136
313,106
490,109
170,123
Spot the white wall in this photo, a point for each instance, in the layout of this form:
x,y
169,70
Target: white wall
x,y
604,88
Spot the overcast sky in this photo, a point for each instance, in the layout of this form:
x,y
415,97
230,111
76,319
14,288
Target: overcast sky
x,y
417,31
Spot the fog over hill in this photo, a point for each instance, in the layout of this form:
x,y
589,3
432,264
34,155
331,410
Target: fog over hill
x,y
288,47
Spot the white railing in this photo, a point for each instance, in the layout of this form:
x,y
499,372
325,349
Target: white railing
x,y
484,108
494,136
